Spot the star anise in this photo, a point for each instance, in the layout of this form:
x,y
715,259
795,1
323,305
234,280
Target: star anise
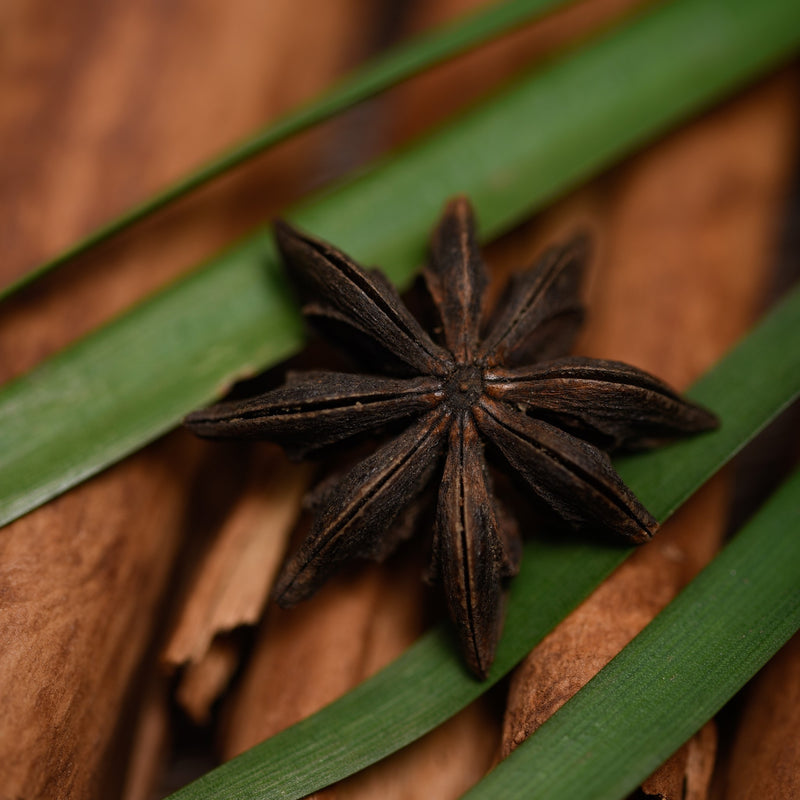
x,y
503,381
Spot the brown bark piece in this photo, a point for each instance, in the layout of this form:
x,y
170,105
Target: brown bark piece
x,y
203,681
700,759
668,781
765,758
81,583
231,586
686,775
692,224
150,746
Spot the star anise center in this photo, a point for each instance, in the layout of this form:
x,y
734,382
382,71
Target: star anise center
x,y
504,380
464,386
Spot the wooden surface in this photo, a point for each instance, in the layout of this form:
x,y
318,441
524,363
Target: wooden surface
x,y
104,101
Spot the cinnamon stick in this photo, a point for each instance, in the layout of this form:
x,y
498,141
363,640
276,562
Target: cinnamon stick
x,y
203,682
83,579
151,739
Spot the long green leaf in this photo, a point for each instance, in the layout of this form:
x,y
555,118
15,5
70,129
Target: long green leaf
x,y
396,66
122,387
674,676
428,683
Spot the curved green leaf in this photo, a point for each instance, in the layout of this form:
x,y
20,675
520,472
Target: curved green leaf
x,y
674,676
429,683
394,67
123,386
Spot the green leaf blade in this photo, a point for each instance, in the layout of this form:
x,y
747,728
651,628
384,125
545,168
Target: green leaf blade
x,y
108,394
674,676
383,218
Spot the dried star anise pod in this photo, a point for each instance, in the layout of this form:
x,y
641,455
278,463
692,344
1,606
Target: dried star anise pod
x,y
545,415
